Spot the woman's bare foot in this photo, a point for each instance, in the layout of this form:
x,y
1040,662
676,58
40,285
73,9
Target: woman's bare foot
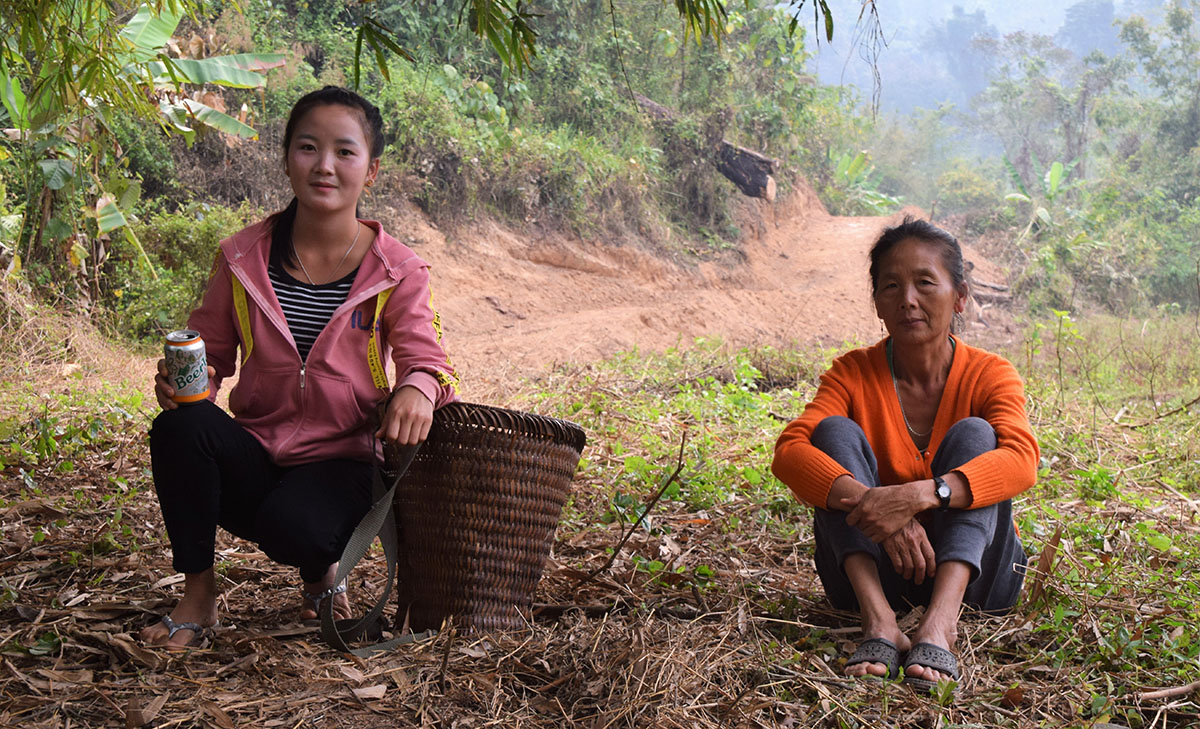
x,y
938,633
888,630
878,618
198,605
341,602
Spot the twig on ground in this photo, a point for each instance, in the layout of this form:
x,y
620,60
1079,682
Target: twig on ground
x,y
641,517
1182,408
446,657
1169,693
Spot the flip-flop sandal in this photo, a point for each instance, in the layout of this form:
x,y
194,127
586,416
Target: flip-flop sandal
x,y
314,601
928,655
200,633
877,650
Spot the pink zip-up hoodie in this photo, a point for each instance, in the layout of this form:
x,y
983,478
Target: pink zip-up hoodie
x,y
321,408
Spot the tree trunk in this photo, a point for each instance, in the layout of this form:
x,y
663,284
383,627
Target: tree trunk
x,y
747,169
750,171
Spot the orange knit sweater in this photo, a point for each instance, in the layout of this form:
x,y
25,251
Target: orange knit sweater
x,y
859,386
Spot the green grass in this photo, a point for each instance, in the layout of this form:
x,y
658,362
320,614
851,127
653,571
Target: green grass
x,y
1119,479
1113,614
724,407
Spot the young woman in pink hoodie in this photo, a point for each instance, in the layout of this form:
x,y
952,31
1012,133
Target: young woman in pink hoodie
x,y
309,304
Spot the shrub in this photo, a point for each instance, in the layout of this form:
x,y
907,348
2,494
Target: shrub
x,y
964,190
181,247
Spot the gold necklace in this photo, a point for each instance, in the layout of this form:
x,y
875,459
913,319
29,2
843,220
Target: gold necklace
x,y
357,231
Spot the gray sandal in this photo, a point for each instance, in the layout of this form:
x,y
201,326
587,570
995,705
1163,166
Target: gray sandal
x,y
928,655
199,632
877,650
315,601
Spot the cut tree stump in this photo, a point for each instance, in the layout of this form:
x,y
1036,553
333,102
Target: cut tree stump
x,y
747,169
752,172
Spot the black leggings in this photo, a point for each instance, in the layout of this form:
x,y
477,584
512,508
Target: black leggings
x,y
209,472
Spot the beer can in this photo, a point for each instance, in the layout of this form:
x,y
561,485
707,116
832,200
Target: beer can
x,y
187,366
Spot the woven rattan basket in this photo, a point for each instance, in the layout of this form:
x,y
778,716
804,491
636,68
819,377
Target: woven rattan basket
x,y
476,513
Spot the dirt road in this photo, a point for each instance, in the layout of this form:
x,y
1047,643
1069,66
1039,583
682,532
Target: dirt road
x,y
513,305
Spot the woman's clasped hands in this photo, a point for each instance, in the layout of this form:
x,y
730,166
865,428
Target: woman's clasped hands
x,y
888,517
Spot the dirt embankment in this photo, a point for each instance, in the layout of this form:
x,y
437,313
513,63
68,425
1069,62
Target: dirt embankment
x,y
512,305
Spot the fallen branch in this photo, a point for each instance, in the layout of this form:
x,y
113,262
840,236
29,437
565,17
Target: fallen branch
x,y
1169,693
1182,408
641,517
990,298
978,283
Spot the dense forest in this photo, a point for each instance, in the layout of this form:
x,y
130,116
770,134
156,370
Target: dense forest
x,y
136,137
1075,147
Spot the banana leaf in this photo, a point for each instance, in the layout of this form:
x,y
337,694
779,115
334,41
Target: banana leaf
x,y
1054,178
253,61
108,216
210,117
856,166
205,71
147,32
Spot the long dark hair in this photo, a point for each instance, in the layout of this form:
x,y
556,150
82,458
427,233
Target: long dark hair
x,y
283,222
926,232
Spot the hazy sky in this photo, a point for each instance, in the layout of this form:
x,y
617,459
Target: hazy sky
x,y
915,69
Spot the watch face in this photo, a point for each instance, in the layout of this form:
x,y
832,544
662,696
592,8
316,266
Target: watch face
x,y
943,491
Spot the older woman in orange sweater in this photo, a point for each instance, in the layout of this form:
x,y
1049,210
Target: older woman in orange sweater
x,y
911,452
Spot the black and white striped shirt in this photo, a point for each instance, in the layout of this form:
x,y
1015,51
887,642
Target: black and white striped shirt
x,y
308,307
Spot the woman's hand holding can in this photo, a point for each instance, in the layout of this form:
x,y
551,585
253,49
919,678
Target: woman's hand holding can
x,y
163,392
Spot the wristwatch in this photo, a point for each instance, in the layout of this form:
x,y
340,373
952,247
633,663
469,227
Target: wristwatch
x,y
942,490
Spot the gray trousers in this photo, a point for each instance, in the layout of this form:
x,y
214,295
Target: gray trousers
x,y
984,539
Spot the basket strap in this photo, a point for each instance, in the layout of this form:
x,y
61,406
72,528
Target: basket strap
x,y
379,521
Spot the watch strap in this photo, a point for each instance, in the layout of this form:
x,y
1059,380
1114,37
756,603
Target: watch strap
x,y
942,490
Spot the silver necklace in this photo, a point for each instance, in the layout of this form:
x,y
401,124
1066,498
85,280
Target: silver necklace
x,y
333,274
904,415
900,400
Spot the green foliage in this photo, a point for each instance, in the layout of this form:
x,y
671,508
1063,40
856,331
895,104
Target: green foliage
x,y
855,188
575,95
460,140
1166,56
67,71
964,190
912,152
48,644
510,29
148,156
61,429
725,404
1111,219
182,247
1108,401
82,426
1041,103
